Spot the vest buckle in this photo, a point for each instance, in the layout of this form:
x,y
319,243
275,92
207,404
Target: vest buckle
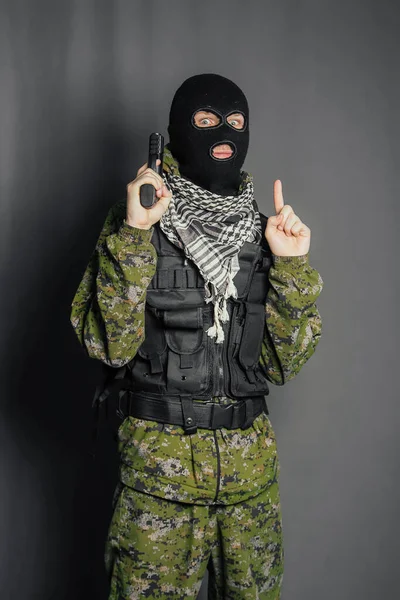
x,y
189,415
221,415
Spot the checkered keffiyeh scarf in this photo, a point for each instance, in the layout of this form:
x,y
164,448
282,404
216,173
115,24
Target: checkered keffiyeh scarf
x,y
211,229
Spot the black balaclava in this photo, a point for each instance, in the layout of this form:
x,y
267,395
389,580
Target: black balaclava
x,y
191,145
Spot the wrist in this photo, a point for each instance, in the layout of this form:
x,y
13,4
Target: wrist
x,y
131,223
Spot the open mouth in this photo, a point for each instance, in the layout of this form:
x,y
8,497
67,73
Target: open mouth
x,y
222,151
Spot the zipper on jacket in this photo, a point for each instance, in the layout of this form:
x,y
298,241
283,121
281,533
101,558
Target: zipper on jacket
x,y
224,365
219,370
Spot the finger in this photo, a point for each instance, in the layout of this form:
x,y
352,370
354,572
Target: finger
x,y
134,186
160,207
296,228
305,231
141,169
290,221
278,196
152,176
301,229
274,220
164,192
158,162
159,177
285,212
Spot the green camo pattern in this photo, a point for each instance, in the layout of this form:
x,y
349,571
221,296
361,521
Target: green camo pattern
x,y
108,317
183,498
156,548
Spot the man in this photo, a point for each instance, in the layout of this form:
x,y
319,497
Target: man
x,y
196,304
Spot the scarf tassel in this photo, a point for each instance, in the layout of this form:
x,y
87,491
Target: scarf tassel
x,y
216,330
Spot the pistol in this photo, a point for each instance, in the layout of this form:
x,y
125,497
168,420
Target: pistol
x,y
156,150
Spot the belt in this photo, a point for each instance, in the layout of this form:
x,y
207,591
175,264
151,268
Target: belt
x,y
184,411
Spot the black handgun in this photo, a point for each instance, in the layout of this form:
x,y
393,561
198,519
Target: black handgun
x,y
156,150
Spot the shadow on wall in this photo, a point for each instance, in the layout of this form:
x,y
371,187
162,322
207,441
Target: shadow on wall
x,y
52,381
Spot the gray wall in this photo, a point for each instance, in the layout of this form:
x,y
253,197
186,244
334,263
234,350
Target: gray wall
x,y
82,85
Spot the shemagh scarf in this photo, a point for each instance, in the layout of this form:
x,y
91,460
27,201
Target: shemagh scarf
x,y
211,229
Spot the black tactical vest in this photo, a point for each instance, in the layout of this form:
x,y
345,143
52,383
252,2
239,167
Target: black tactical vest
x,y
177,356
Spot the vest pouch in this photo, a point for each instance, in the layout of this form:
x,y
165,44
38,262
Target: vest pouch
x,y
148,366
187,367
184,319
246,339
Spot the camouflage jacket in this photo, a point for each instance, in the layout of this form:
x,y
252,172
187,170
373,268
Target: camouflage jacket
x,y
222,466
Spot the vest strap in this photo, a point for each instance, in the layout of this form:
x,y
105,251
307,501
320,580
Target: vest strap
x,y
189,416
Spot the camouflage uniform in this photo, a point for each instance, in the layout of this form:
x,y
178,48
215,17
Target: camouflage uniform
x,y
183,500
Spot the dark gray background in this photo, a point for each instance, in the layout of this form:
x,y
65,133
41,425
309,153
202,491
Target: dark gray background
x,y
83,83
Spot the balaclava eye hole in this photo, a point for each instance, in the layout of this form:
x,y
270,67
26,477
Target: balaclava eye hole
x,y
218,116
191,145
237,112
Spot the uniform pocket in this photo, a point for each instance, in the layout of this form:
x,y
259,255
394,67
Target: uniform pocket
x,y
187,368
247,334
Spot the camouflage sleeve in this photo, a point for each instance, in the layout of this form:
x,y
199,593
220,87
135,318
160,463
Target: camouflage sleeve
x,y
293,323
108,308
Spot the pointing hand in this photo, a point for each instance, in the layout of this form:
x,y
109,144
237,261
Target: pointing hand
x,y
285,233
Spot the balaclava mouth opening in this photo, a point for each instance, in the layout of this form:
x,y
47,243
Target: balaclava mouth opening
x,y
192,145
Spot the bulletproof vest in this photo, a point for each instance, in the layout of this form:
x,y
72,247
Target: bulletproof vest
x,y
177,356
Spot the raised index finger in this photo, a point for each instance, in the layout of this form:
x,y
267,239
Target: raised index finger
x,y
278,196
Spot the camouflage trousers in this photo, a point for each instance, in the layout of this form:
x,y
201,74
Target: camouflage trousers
x,y
159,548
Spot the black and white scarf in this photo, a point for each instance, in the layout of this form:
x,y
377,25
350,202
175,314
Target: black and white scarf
x,y
211,229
